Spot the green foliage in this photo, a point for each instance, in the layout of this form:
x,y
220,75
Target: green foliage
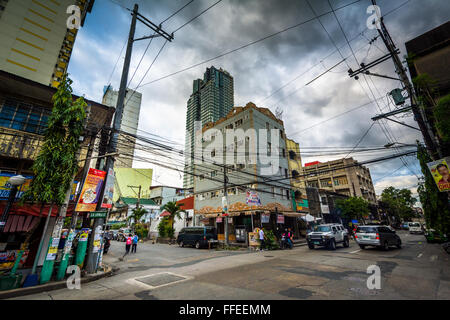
x,y
162,227
270,240
442,118
141,230
398,203
57,161
174,210
434,203
117,226
353,207
136,215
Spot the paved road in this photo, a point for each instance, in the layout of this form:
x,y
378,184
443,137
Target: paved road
x,y
417,271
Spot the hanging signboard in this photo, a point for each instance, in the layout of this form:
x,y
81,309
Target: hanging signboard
x,y
109,190
98,215
265,218
253,198
440,171
219,220
280,218
92,188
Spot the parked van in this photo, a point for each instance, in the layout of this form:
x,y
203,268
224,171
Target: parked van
x,y
197,236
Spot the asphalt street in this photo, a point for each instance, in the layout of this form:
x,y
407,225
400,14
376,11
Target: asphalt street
x,y
157,271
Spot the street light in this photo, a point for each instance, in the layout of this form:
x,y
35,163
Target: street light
x,y
15,182
390,145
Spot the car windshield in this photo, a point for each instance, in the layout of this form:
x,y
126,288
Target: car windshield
x,y
415,224
322,229
366,230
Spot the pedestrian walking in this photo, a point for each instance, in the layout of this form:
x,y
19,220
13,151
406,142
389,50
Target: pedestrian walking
x,y
135,242
128,243
289,238
261,239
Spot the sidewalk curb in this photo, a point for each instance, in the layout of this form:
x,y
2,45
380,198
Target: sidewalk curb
x,y
53,285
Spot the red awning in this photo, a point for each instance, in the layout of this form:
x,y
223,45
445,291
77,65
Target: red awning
x,y
164,214
34,209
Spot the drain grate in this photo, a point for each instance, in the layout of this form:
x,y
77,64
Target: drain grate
x,y
160,279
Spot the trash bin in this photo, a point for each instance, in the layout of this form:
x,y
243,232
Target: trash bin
x,y
10,281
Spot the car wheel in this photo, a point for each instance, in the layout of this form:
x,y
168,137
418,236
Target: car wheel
x,y
197,245
311,246
181,244
346,243
399,244
333,245
385,246
362,246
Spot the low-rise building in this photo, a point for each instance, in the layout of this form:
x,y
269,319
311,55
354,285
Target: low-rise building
x,y
258,192
343,176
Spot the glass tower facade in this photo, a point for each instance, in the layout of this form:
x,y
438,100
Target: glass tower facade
x,y
212,98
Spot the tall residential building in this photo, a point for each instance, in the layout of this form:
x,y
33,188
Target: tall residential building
x,y
343,176
35,41
130,122
212,98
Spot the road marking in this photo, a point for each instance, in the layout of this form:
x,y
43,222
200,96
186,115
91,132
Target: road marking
x,y
419,255
355,251
433,257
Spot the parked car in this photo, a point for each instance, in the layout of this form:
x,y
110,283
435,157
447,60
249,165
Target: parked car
x,y
415,227
405,226
435,236
328,235
197,236
377,236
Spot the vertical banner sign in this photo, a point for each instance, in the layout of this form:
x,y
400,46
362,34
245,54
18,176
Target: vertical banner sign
x,y
91,192
440,171
109,190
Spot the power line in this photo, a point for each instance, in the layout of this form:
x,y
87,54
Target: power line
x,y
198,15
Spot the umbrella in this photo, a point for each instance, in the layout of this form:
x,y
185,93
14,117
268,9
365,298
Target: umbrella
x,y
164,214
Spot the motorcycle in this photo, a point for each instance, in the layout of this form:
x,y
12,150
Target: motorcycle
x,y
106,245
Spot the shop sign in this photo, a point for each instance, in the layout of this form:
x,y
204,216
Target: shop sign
x,y
253,198
98,215
92,188
219,220
280,218
265,218
253,239
440,171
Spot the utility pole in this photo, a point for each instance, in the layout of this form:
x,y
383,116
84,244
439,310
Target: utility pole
x,y
225,204
419,116
114,133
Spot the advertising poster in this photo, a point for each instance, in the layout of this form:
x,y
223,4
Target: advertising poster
x,y
253,198
91,192
5,187
109,190
84,234
280,218
219,220
440,171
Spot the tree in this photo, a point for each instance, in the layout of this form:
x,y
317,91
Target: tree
x,y
57,162
175,211
353,207
398,203
137,214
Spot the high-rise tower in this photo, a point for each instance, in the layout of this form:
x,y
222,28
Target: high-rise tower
x,y
211,99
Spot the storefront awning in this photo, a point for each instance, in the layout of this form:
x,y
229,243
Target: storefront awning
x,y
293,214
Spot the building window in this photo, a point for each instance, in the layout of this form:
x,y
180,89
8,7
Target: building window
x,y
283,151
325,183
24,117
287,194
286,173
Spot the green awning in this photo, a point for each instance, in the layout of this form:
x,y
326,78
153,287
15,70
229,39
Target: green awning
x,y
133,201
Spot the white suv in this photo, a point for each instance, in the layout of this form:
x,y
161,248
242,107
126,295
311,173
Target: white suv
x,y
328,235
415,227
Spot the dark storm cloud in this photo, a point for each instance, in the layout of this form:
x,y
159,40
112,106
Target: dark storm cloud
x,y
262,68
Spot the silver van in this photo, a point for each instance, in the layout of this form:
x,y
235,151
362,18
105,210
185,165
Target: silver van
x,y
377,236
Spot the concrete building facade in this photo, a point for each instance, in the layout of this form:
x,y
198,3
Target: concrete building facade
x,y
36,43
343,176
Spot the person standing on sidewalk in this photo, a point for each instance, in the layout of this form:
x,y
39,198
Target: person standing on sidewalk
x,y
135,242
261,239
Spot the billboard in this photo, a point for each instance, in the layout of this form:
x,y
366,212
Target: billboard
x,y
91,191
440,171
252,198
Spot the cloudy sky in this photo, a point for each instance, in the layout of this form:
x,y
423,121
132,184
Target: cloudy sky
x,y
324,113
